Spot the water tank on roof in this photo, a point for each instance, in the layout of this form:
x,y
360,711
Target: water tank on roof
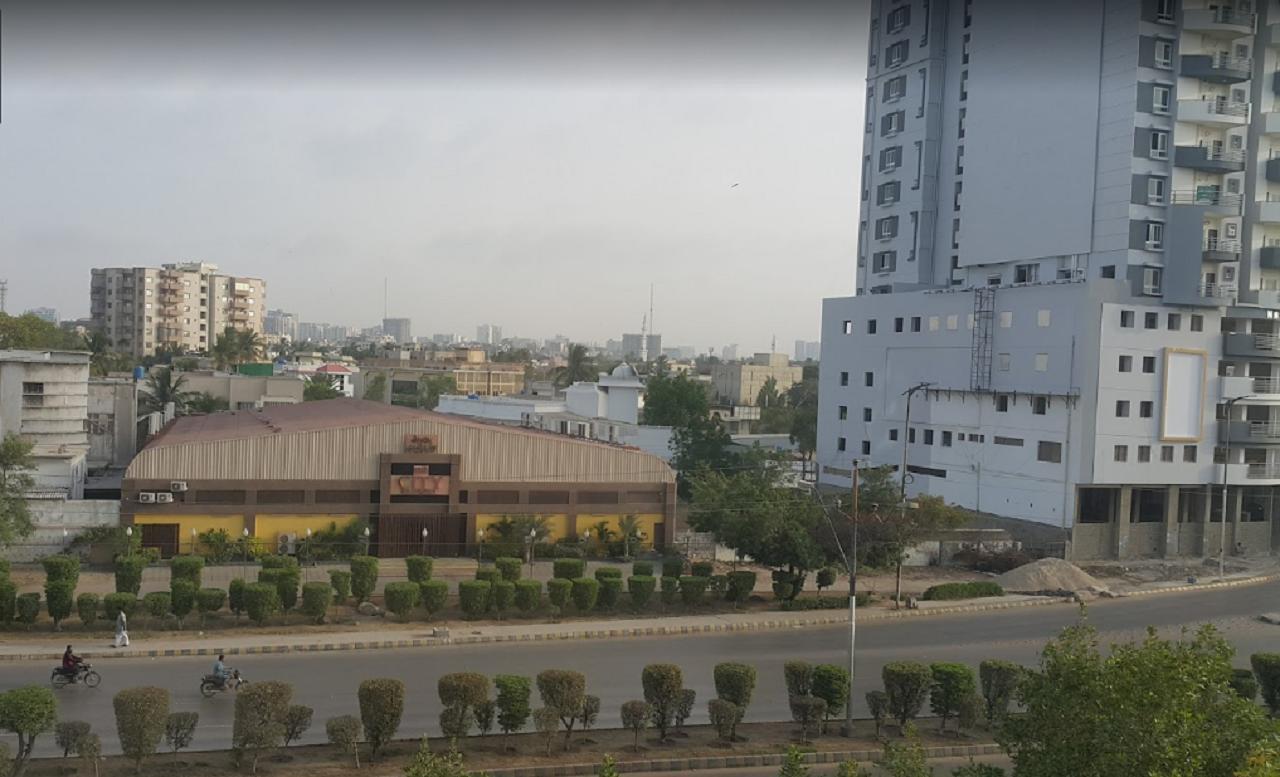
x,y
139,372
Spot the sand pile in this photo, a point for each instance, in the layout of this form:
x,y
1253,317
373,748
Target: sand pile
x,y
1049,576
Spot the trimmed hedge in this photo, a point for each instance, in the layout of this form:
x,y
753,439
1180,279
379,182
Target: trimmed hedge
x,y
508,567
586,591
235,595
642,568
641,589
401,597
364,577
1266,667
61,569
474,597
528,595
487,574
129,574
610,593
182,599
824,603
8,601
604,572
672,567
340,579
974,590
558,590
87,609
670,589
741,584
419,568
60,598
692,589
114,604
503,594
186,568
433,595
702,569
315,600
568,568
210,600
158,603
261,601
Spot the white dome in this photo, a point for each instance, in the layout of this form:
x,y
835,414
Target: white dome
x,y
623,370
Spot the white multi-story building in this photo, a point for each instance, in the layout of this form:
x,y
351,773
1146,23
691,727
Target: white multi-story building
x,y
1070,231
44,399
181,306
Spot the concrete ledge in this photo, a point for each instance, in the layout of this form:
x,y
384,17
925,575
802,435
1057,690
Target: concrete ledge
x,y
735,761
1204,586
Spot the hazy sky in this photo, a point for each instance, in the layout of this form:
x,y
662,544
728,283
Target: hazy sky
x,y
536,166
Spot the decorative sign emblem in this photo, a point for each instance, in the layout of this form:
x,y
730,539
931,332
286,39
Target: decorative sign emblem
x,y
421,443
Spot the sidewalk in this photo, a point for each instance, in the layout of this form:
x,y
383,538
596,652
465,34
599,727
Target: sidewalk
x,y
418,635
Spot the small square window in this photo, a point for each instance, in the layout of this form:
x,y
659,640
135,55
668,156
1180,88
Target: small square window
x,y
1040,406
847,327
1121,453
866,447
1197,322
1126,319
1107,271
1126,363
1144,454
1149,364
915,323
928,437
1189,453
1122,408
1150,320
893,434
844,379
897,324
868,379
1145,408
842,412
866,415
1166,453
946,439
1049,451
1002,403
1042,362
840,443
1175,322
871,326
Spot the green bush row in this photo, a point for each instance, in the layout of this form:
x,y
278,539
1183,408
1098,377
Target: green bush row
x,y
974,590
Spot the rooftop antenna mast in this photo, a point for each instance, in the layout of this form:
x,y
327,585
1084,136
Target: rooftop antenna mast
x,y
386,298
4,290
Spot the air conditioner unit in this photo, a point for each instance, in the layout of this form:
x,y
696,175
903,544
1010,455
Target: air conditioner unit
x,y
147,497
164,497
285,544
178,486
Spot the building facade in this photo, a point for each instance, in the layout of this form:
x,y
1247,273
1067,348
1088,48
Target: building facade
x,y
180,306
739,384
400,330
258,474
44,399
281,325
1073,266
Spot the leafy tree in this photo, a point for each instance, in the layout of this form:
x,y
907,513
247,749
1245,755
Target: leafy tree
x,y
432,387
297,719
1264,760
30,332
793,763
259,722
809,712
674,401
906,684
724,716
662,685
579,366
905,759
999,682
16,466
878,704
141,716
564,693
735,683
344,732
381,707
700,446
320,387
803,401
376,387
163,386
547,722
831,684
636,716
206,403
27,712
68,733
1151,707
953,685
1266,667
180,729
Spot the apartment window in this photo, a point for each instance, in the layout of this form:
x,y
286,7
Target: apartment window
x,y
955,202
866,415
934,323
1003,361
893,435
868,379
1166,453
1006,319
892,123
915,323
1175,322
1042,362
898,19
1145,408
884,261
1164,10
964,85
1161,97
1013,442
1159,148
1122,408
928,437
960,130
1164,53
968,13
919,146
1189,453
955,234
946,439
993,280
964,50
1148,364
890,158
866,447
924,90
1155,236
1156,190
844,379
871,326
1002,403
896,53
915,235
843,412
911,435
960,160
895,89
1126,319
1121,453
888,193
840,443
1197,322
953,322
886,227
1040,406
1048,451
1107,271
847,327
897,324
1144,454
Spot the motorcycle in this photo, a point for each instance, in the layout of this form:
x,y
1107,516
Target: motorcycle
x,y
209,684
84,674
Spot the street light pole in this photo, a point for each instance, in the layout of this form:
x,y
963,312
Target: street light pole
x,y
1226,456
852,563
902,478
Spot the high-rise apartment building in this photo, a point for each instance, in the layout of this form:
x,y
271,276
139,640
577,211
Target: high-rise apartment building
x,y
398,329
183,306
281,325
488,334
1070,248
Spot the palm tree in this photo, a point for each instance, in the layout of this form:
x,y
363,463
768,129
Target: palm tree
x,y
163,387
629,527
580,366
320,387
204,402
236,346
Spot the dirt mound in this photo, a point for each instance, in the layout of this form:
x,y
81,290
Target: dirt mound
x,y
1049,576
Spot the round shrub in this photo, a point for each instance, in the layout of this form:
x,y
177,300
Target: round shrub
x,y
235,595
186,568
59,600
1266,668
508,567
474,596
641,589
585,592
275,561
724,716
642,568
157,603
672,567
906,684
604,572
419,568
315,600
210,600
364,577
528,595
129,574
8,600
182,599
610,593
826,577
87,609
568,568
504,594
735,683
974,590
340,579
261,601
741,585
558,590
381,707
487,574
692,589
1244,684
61,569
141,715
433,594
670,589
114,604
463,689
401,597
702,569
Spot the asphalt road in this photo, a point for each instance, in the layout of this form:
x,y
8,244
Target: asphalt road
x,y
328,681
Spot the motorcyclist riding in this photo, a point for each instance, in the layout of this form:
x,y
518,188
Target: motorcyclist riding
x,y
220,671
71,664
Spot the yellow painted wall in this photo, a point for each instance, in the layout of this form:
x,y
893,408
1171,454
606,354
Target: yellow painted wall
x,y
561,526
232,524
268,527
557,524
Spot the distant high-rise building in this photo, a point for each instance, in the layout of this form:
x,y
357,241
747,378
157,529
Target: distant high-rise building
x,y
281,324
182,306
488,334
729,353
46,314
398,329
807,350
445,339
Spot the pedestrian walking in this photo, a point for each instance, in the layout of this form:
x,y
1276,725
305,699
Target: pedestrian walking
x,y
122,631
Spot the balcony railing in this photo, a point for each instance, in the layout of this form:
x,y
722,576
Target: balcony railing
x,y
1264,430
1266,385
1266,342
1207,196
1218,290
1265,471
1222,245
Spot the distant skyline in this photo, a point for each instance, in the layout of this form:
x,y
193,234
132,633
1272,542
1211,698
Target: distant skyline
x,y
534,166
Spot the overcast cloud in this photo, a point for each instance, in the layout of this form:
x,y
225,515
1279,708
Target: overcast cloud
x,y
533,168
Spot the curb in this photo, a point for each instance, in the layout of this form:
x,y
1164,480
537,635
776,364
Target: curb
x,y
734,761
1203,586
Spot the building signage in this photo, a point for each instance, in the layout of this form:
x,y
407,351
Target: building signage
x,y
420,483
421,443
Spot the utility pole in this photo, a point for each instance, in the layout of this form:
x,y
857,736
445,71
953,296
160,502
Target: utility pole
x,y
902,487
4,291
852,564
1226,456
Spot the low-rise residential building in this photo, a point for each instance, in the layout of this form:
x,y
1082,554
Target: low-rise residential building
x,y
44,398
738,384
246,392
